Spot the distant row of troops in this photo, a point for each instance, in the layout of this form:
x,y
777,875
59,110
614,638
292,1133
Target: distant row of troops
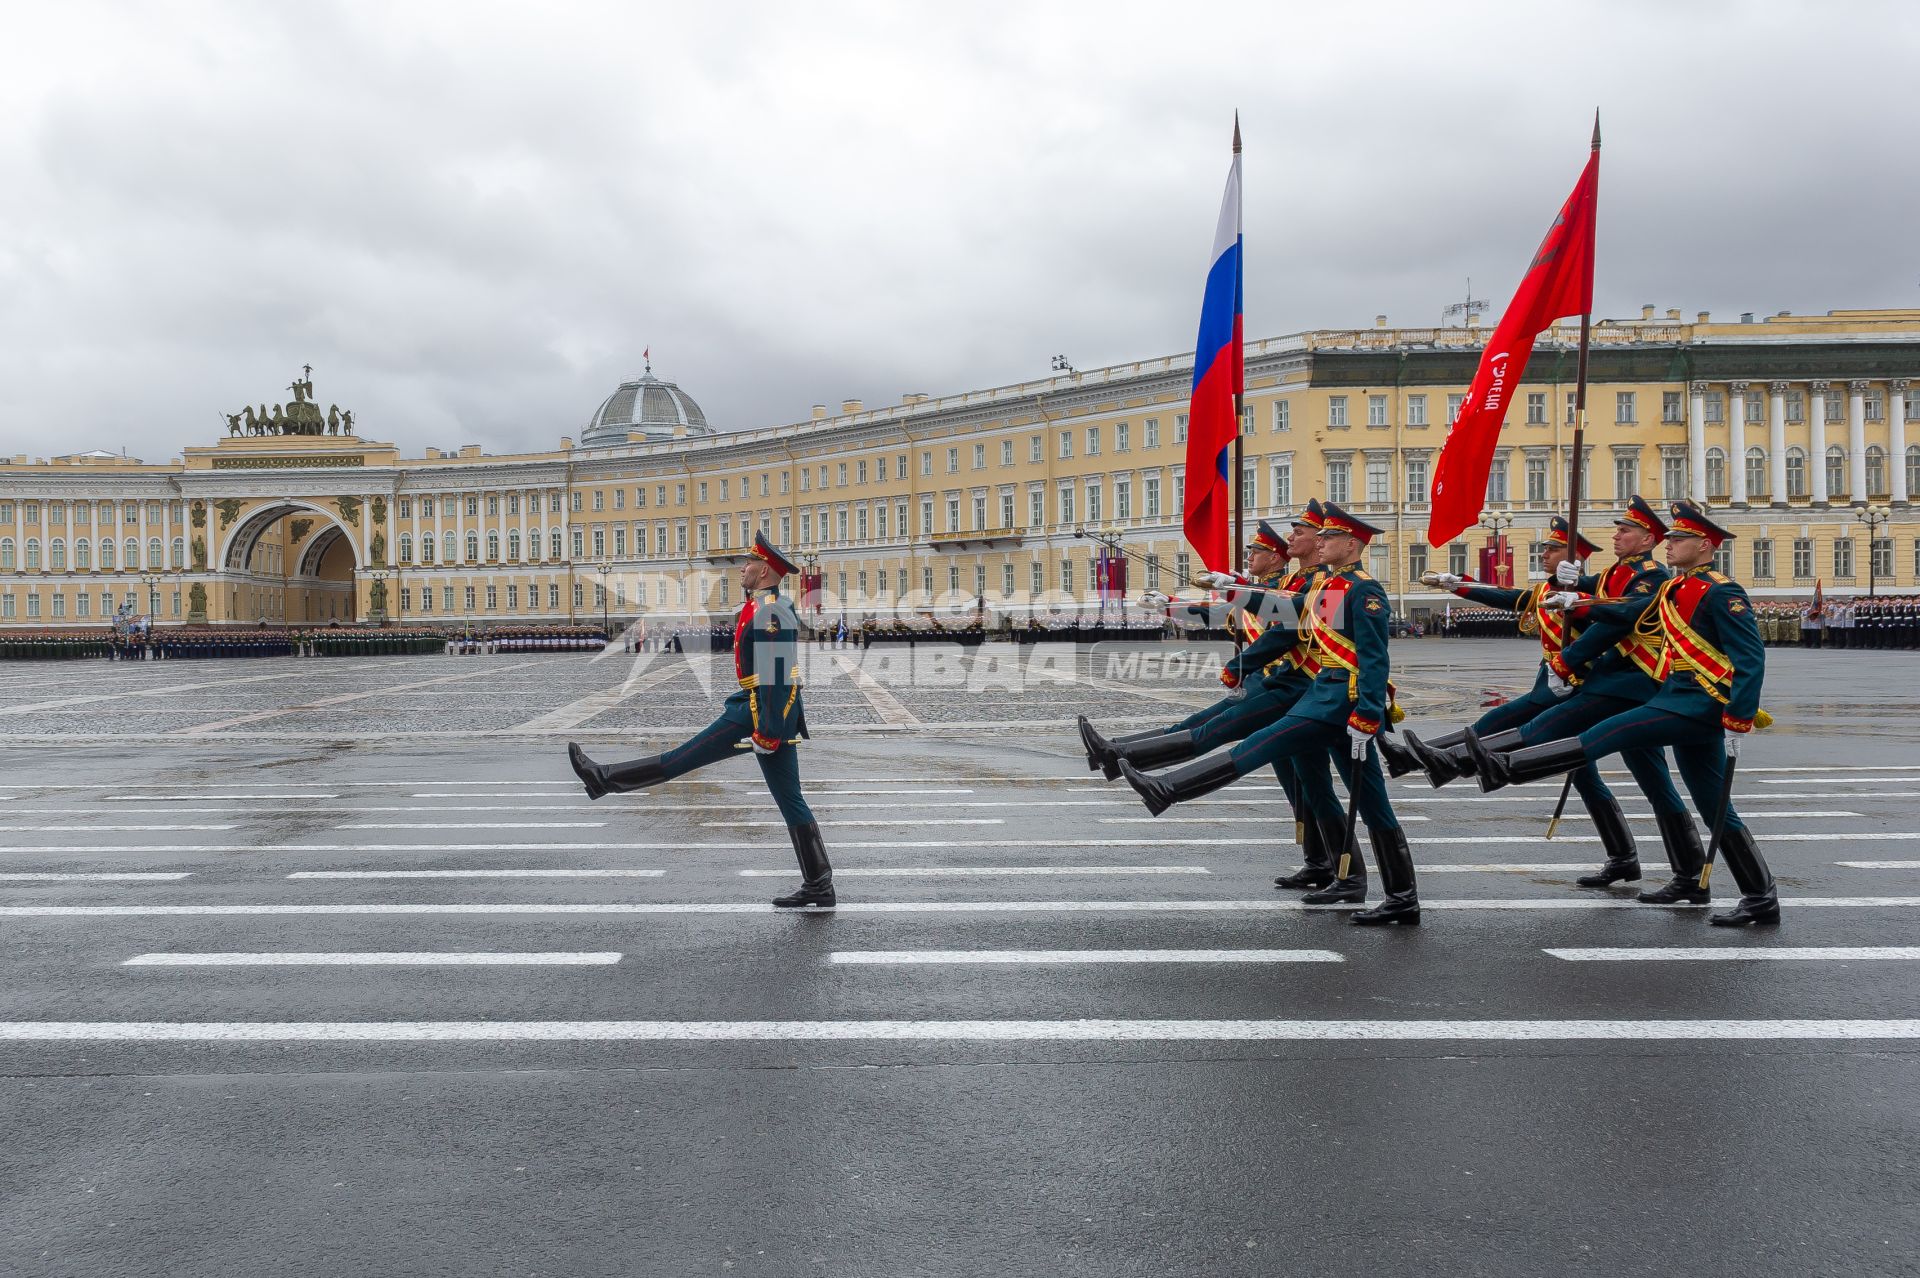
x,y
1635,661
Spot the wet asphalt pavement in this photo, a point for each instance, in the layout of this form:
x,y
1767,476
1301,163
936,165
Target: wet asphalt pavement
x,y
1202,1078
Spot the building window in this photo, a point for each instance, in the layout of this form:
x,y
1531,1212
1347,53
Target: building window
x,y
1337,411
1282,416
1122,437
1497,482
1876,471
1339,481
1122,498
1836,412
1882,552
1416,479
1673,476
1536,408
1150,493
1913,471
1536,479
1763,559
1716,474
1150,435
1457,558
1376,410
1626,477
1796,406
1095,490
1066,577
1282,484
1672,410
1416,410
1796,472
1623,408
1843,557
1379,480
1712,408
553,544
1756,472
1836,471
1249,486
57,555
1453,408
1066,445
106,554
405,544
493,544
1417,560
1066,502
1179,428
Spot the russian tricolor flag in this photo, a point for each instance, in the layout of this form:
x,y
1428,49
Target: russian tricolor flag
x,y
1219,377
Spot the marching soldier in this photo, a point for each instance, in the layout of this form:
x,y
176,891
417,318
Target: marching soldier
x,y
1346,618
1267,678
1712,665
1617,672
1549,689
764,712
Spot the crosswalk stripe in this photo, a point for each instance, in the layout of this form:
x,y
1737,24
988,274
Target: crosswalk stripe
x,y
1260,906
373,959
1004,1031
1655,954
93,878
985,871
1880,865
479,874
887,958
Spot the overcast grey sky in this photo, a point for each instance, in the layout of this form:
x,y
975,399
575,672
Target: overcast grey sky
x,y
471,218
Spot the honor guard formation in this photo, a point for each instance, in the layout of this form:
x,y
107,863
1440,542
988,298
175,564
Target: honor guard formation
x,y
1637,660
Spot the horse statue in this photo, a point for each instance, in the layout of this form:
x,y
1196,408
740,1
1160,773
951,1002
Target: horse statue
x,y
275,424
253,423
333,419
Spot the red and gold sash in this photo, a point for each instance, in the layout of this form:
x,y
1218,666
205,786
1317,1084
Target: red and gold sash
x,y
1327,647
1300,656
1642,644
1686,649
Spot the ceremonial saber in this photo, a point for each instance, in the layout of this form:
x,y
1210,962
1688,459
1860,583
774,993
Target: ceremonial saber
x,y
1554,824
1349,847
1719,819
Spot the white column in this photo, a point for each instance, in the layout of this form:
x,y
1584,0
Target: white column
x,y
1817,441
1697,441
1897,436
1857,443
1777,443
1737,443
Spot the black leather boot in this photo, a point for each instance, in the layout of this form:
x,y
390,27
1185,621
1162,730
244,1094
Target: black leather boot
x,y
1102,754
1348,884
1686,857
1431,757
816,875
1160,750
1160,792
1623,858
614,778
1498,770
1318,870
1395,754
1759,900
1395,859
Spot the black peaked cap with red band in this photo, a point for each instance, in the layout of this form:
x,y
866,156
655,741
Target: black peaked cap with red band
x,y
1690,519
765,551
1335,520
1641,515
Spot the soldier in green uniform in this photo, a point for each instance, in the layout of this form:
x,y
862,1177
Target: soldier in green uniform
x,y
1712,666
1347,619
1266,678
765,712
1616,671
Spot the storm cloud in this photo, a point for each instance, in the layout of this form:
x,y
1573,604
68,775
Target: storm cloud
x,y
472,218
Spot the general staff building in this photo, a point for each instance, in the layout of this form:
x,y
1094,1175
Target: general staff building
x,y
1793,427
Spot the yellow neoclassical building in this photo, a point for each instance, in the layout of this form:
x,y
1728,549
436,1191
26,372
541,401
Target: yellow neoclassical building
x,y
1795,427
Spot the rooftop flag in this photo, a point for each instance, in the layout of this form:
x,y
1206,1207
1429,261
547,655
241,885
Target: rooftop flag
x,y
1219,378
1559,283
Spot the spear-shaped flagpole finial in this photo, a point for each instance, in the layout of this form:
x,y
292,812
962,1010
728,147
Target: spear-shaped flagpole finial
x,y
1236,131
1596,128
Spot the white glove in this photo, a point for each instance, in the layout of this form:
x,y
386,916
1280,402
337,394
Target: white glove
x,y
1733,744
1444,580
1557,686
1237,693
1357,741
1154,599
1567,574
1219,580
1560,601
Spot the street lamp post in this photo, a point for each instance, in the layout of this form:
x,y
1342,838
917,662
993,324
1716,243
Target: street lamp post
x,y
1875,518
1498,525
604,567
151,580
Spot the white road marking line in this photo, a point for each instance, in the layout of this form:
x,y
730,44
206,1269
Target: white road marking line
x,y
1842,781
482,874
1880,865
1260,906
93,878
637,798
1275,819
888,707
1110,1031
466,825
1656,954
903,957
101,829
986,871
171,798
375,959
905,820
